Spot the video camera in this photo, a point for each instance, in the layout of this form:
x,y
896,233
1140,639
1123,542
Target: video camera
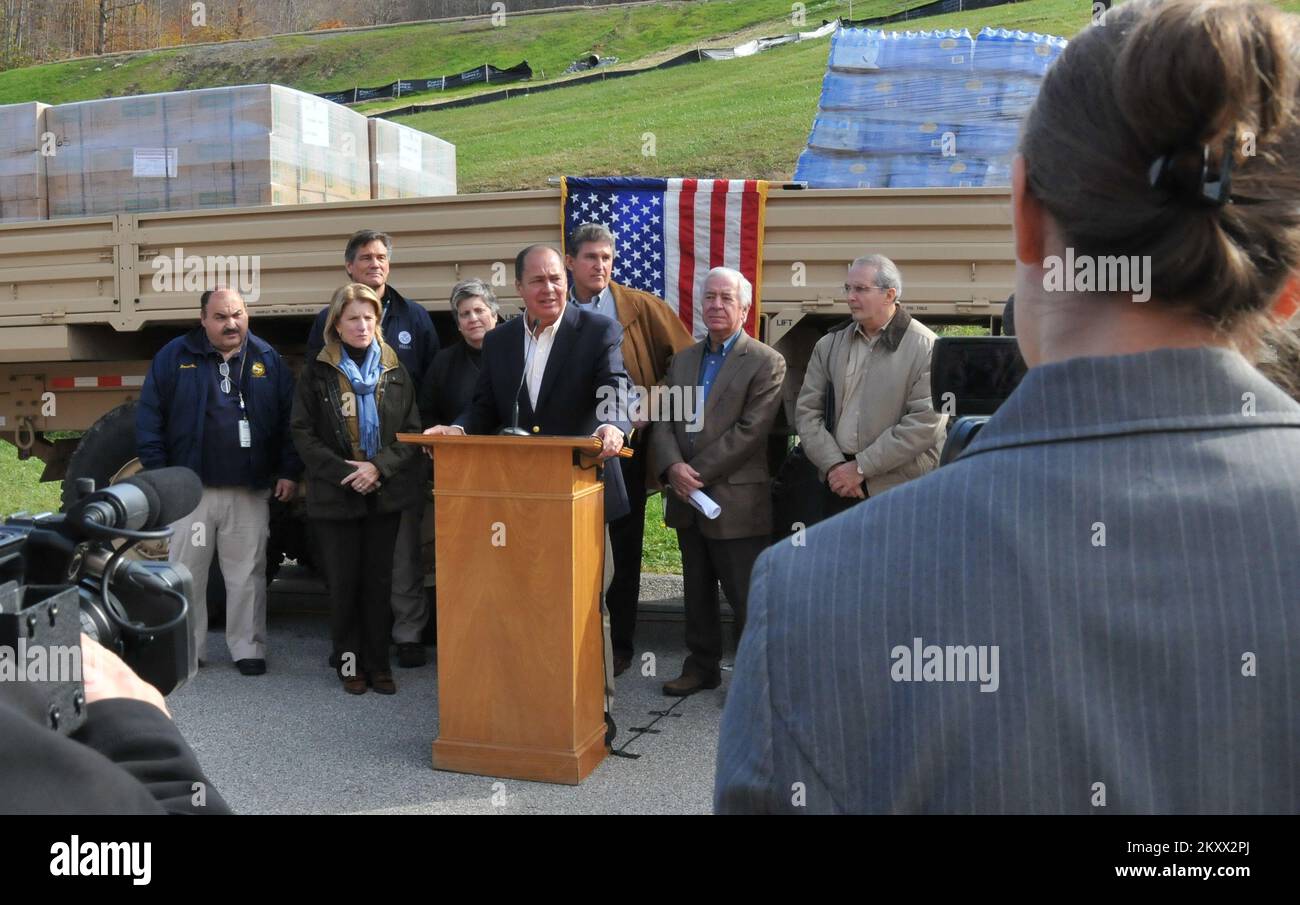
x,y
970,376
60,575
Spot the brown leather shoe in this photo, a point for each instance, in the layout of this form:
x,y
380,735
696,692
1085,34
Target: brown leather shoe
x,y
382,683
354,684
689,683
622,662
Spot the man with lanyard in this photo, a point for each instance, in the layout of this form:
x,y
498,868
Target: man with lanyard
x,y
217,401
408,328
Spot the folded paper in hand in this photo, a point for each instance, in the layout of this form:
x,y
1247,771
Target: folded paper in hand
x,y
701,501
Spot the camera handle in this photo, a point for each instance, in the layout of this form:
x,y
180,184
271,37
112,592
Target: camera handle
x,y
110,572
106,532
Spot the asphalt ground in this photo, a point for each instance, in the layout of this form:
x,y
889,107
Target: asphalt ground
x,y
292,742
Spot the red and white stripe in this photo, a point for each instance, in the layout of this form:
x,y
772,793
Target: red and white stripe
x,y
709,223
95,383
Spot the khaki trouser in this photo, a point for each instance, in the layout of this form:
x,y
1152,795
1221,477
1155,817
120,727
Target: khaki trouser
x,y
604,620
235,522
410,605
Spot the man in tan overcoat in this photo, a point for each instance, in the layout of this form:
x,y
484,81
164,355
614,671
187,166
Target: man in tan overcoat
x,y
886,430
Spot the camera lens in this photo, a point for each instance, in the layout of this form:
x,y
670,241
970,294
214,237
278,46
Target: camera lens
x,y
94,621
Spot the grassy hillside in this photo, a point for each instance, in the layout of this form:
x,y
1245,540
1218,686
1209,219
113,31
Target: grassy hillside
x,y
745,117
327,62
748,117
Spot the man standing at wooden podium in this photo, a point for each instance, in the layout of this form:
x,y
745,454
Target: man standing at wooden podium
x,y
548,373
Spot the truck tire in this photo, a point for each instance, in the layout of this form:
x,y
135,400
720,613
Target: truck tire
x,y
104,450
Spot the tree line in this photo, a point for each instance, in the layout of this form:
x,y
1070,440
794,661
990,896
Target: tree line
x,y
41,31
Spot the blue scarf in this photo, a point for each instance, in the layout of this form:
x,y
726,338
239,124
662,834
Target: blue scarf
x,y
364,380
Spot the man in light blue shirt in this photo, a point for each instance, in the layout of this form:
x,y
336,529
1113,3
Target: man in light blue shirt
x,y
601,304
711,363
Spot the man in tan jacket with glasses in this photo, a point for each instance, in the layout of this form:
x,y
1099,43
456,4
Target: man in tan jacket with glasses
x,y
886,430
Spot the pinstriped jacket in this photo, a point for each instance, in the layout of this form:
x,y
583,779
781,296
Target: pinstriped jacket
x,y
1122,534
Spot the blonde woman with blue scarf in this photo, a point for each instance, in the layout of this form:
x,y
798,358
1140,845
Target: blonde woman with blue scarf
x,y
352,401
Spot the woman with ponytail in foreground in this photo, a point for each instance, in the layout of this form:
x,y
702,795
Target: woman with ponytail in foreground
x,y
1092,609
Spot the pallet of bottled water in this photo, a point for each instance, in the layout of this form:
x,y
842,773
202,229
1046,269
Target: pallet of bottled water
x,y
924,109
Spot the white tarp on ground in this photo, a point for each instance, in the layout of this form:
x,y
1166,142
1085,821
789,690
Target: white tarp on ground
x,y
750,48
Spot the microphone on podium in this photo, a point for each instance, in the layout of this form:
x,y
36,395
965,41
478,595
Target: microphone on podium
x,y
514,430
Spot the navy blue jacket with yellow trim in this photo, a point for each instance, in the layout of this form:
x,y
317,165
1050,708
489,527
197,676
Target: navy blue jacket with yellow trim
x,y
170,417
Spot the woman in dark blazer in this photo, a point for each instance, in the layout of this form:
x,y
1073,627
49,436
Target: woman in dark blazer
x,y
449,386
449,383
352,400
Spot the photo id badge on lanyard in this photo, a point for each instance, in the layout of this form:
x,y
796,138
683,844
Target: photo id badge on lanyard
x,y
245,429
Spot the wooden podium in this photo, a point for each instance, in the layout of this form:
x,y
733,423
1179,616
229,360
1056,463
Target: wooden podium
x,y
520,553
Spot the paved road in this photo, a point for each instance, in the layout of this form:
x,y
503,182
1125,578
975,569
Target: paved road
x,y
292,742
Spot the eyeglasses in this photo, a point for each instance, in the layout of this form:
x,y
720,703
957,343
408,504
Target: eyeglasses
x,y
858,288
224,370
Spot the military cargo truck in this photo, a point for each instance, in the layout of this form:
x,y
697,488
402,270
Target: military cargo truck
x,y
85,303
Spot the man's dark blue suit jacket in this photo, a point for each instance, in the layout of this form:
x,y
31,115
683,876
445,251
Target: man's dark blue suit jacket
x,y
585,367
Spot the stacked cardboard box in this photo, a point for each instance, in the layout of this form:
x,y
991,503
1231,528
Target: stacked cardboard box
x,y
211,148
22,167
406,163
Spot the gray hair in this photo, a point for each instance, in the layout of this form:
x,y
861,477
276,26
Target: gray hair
x,y
590,232
474,288
745,287
887,275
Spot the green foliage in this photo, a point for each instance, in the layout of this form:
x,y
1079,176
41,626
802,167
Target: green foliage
x,y
700,118
961,330
659,552
21,487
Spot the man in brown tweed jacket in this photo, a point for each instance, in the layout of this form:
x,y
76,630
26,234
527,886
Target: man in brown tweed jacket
x,y
652,332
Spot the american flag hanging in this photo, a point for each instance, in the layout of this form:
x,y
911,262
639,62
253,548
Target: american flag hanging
x,y
670,232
